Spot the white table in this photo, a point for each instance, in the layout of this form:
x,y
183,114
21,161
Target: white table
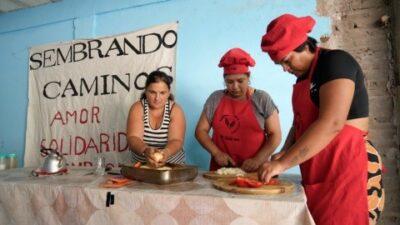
x,y
76,199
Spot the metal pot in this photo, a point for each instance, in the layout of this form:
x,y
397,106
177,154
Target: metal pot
x,y
54,161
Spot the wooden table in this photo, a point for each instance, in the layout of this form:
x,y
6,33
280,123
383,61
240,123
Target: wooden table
x,y
76,198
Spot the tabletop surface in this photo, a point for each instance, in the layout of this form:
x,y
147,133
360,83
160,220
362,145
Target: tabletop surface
x,y
194,202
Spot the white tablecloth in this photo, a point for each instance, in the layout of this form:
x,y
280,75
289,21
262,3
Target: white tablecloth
x,y
76,198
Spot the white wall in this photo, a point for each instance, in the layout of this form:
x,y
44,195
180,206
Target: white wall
x,y
207,29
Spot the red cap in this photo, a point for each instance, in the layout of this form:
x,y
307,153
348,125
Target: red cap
x,y
284,34
236,61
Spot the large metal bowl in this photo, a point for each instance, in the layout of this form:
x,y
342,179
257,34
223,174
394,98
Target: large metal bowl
x,y
177,173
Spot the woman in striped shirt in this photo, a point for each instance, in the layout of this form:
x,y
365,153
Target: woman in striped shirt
x,y
156,124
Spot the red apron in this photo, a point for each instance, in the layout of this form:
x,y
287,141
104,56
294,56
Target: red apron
x,y
236,130
335,179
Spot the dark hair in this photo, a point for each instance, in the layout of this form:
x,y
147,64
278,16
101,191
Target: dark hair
x,y
155,77
312,45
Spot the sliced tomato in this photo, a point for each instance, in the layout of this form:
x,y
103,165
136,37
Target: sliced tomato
x,y
254,183
272,182
241,183
247,182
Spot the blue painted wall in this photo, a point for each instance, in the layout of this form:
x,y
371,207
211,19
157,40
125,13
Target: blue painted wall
x,y
207,29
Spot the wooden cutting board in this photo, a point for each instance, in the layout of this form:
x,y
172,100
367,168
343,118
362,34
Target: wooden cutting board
x,y
214,176
284,186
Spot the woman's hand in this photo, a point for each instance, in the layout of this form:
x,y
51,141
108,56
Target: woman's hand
x,y
164,154
269,169
223,159
251,165
154,157
277,155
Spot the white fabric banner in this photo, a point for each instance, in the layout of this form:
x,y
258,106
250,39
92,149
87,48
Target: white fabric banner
x,y
80,93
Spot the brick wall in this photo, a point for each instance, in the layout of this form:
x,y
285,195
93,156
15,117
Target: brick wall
x,y
368,29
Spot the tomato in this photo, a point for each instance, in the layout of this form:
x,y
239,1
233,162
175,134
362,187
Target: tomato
x,y
247,182
137,165
272,182
252,183
241,183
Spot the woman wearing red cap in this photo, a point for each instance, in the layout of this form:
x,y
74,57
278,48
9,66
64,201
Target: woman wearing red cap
x,y
245,121
341,170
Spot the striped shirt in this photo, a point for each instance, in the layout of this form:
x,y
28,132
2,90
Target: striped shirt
x,y
158,138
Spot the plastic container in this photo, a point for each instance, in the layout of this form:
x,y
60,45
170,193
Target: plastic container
x,y
11,161
3,162
101,166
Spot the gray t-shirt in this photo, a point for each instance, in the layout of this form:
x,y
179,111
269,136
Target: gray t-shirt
x,y
263,105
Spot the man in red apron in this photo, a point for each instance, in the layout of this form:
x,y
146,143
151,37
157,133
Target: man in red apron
x,y
245,131
326,140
